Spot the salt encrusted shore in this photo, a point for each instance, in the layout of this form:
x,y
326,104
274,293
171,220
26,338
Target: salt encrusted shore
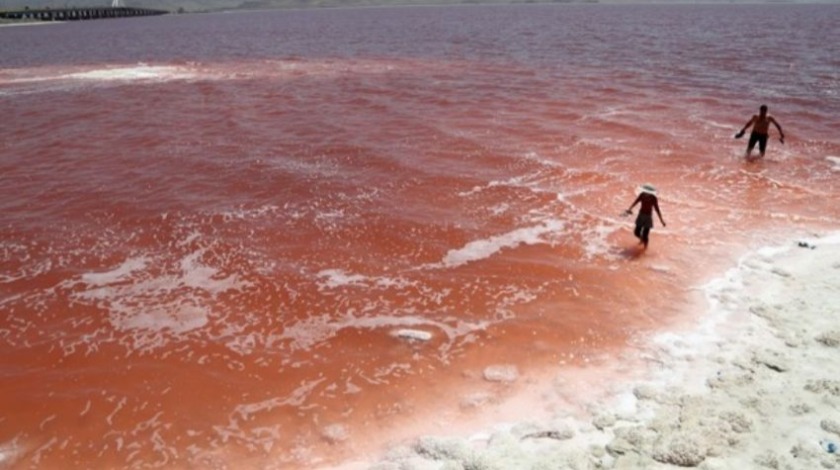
x,y
755,385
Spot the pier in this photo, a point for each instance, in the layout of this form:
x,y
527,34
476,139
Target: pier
x,y
78,13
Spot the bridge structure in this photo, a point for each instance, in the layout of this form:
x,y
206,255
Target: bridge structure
x,y
116,10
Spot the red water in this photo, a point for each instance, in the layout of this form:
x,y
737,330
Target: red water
x,y
213,226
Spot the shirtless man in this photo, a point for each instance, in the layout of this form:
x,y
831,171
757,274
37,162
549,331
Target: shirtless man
x,y
644,221
760,131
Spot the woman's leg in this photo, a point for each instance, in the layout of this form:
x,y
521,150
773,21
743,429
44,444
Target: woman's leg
x,y
645,234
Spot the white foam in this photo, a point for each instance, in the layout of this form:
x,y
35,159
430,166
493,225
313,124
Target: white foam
x,y
86,409
595,240
196,275
505,373
117,274
247,214
337,278
295,399
143,72
178,320
528,181
116,410
152,303
27,266
485,248
8,452
139,72
538,158
39,80
499,209
835,161
306,333
36,458
335,433
515,182
714,124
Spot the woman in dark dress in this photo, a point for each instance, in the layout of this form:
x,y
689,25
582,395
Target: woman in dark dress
x,y
644,221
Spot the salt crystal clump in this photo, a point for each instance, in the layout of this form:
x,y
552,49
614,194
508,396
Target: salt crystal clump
x,y
636,436
415,335
830,425
501,373
682,450
738,421
768,460
830,339
646,392
563,431
388,466
619,447
441,448
772,360
799,409
560,430
781,272
604,420
824,385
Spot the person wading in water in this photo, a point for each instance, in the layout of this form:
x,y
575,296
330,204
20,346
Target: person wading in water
x,y
644,221
761,128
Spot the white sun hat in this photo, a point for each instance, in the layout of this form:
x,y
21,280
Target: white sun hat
x,y
647,188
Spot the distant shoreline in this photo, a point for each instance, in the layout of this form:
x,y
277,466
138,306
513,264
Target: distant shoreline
x,y
173,6
268,5
27,23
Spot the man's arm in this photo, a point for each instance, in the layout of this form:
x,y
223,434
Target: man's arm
x,y
781,133
746,126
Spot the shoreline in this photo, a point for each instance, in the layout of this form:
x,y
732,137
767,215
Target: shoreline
x,y
752,384
29,23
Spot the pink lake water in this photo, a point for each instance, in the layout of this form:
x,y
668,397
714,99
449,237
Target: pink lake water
x,y
214,229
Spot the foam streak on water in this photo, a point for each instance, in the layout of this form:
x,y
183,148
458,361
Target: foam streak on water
x,y
281,239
